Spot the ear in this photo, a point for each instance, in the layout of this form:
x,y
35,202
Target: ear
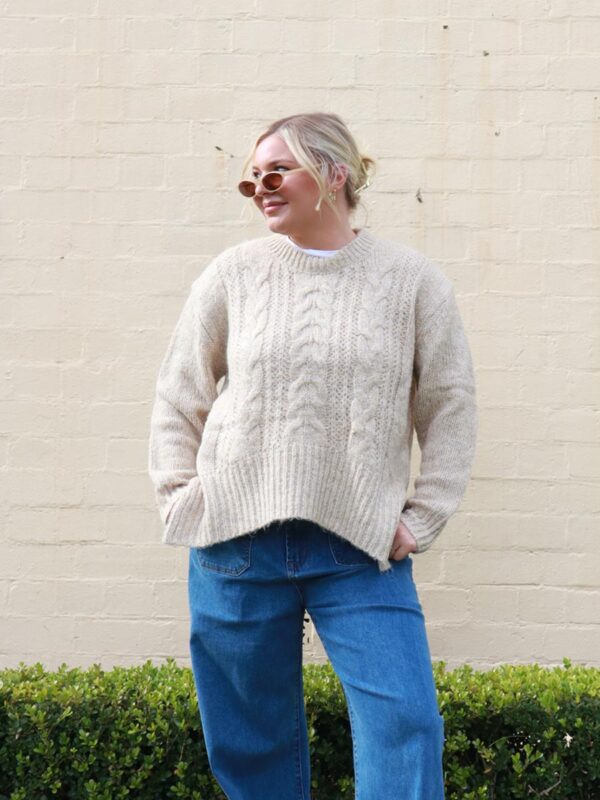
x,y
339,173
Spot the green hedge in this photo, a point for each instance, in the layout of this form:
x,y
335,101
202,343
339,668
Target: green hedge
x,y
511,732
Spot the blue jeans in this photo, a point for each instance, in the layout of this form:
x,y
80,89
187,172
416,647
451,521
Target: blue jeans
x,y
248,598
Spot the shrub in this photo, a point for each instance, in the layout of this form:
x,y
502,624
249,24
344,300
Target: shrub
x,y
134,733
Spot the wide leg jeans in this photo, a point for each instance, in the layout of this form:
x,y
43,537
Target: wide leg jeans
x,y
248,598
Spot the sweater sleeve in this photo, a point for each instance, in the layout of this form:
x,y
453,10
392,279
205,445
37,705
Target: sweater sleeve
x,y
186,388
445,420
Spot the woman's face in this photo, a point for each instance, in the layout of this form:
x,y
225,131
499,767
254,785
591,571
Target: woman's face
x,y
297,196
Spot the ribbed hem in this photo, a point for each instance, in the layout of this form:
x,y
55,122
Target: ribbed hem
x,y
301,261
349,499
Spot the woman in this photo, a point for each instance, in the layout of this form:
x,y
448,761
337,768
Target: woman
x,y
289,484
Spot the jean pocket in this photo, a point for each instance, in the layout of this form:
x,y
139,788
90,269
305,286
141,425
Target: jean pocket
x,y
231,557
346,553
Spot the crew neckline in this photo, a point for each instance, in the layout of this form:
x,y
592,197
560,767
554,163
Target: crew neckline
x,y
301,261
314,251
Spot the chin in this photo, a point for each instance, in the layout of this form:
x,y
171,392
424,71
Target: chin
x,y
276,225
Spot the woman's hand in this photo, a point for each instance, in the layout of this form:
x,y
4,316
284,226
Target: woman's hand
x,y
403,544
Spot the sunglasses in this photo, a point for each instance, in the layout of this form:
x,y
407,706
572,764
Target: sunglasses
x,y
270,182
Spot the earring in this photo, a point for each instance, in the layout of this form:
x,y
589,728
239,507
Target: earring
x,y
331,195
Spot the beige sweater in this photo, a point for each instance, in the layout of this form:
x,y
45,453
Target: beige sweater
x,y
328,365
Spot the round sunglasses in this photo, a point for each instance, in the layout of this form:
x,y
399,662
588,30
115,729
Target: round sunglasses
x,y
271,181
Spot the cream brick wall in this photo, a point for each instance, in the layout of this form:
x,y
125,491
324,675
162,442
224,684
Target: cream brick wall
x,y
123,126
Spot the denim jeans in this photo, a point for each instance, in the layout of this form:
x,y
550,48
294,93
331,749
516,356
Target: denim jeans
x,y
247,599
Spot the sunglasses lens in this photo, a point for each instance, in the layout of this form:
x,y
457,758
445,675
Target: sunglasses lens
x,y
247,188
272,181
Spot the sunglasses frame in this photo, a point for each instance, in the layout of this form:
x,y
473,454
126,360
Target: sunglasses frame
x,y
261,181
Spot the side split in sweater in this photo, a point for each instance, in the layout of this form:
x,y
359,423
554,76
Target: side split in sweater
x,y
327,366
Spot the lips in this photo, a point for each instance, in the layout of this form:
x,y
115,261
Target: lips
x,y
269,206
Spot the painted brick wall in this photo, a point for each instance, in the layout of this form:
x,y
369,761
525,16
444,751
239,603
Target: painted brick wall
x,y
123,126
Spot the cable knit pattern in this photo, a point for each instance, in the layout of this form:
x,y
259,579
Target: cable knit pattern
x,y
250,422
372,326
307,401
328,366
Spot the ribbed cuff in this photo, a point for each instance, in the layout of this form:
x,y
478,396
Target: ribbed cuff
x,y
186,511
425,531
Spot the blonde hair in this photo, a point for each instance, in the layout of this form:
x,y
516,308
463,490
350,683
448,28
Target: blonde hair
x,y
319,142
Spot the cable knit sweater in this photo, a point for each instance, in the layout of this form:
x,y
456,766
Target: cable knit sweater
x,y
328,365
